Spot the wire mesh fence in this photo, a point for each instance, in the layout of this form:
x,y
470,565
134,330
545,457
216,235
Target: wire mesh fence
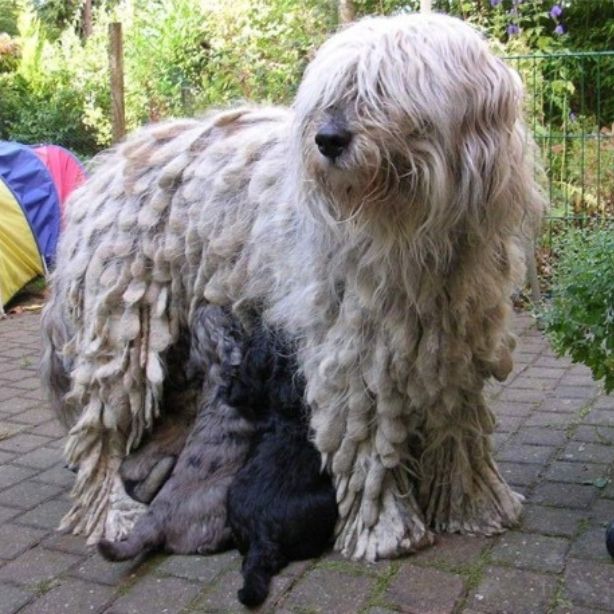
x,y
570,108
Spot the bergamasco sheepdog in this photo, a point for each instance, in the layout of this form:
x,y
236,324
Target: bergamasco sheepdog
x,y
379,222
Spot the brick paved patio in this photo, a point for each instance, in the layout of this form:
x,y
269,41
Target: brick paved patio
x,y
555,442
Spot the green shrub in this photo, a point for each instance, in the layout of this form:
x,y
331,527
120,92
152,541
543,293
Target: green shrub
x,y
580,318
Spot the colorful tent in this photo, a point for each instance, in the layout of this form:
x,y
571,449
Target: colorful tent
x,y
34,186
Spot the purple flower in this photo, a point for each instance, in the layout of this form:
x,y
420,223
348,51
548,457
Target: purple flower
x,y
513,29
572,116
495,2
556,11
560,29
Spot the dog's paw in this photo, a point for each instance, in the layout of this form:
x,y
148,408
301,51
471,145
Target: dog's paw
x,y
145,490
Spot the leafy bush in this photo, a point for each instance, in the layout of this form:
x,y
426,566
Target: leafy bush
x,y
44,100
580,317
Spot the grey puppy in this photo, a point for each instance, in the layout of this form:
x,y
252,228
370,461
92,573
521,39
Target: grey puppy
x,y
188,515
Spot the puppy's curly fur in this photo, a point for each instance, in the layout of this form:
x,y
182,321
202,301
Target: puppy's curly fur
x,y
188,515
281,504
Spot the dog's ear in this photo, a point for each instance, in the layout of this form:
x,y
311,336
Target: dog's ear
x,y
494,179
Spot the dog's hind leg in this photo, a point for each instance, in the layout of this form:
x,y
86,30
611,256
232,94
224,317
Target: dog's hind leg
x,y
262,562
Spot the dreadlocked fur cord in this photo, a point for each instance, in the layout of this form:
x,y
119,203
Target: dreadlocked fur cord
x,y
377,222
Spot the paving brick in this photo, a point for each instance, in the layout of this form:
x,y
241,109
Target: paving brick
x,y
563,406
97,569
526,453
601,417
336,561
42,458
578,473
569,608
595,434
23,442
452,550
10,475
589,583
591,545
524,396
608,491
8,392
72,596
552,520
13,598
513,591
520,474
508,424
550,361
14,539
34,416
580,451
36,565
222,597
521,361
8,430
57,444
507,408
35,394
531,551
28,383
549,419
51,428
578,380
424,590
200,568
15,404
576,392
601,512
539,435
60,475
553,372
7,513
6,457
29,494
47,515
163,595
327,590
498,440
73,544
575,496
606,402
526,382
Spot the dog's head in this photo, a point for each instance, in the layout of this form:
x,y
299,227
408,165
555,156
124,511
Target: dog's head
x,y
409,121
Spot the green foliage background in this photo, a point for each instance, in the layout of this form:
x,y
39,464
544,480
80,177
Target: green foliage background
x,y
580,317
182,56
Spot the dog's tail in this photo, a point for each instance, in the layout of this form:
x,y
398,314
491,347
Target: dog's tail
x,y
261,563
147,535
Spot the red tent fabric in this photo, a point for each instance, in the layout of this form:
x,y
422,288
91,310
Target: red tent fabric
x,y
64,168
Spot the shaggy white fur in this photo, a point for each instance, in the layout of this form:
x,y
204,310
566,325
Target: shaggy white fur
x,y
392,263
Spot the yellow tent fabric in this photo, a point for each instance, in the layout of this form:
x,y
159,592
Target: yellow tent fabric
x,y
20,260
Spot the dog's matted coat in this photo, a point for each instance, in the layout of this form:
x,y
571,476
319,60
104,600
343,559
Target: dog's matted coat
x,y
379,220
188,515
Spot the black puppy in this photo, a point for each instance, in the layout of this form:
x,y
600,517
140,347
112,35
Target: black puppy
x,y
281,504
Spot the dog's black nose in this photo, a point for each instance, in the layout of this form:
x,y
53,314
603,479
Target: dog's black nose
x,y
332,140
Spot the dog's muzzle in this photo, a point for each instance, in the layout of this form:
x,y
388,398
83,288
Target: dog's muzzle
x,y
332,139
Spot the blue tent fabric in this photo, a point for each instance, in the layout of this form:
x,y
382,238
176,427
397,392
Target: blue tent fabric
x,y
35,191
